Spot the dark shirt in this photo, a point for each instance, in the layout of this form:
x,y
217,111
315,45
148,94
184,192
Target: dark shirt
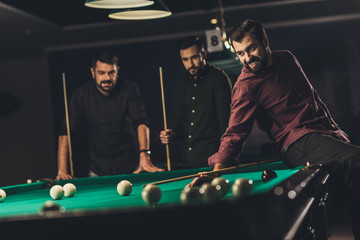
x,y
200,114
281,101
111,123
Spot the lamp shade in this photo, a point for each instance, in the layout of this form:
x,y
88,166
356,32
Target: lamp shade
x,y
117,4
158,10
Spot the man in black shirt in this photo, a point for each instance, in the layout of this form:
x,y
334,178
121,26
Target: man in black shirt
x,y
111,109
202,105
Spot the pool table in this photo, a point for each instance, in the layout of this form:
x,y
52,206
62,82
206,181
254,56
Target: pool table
x,y
290,206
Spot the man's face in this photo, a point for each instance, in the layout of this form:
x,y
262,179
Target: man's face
x,y
105,76
252,54
193,59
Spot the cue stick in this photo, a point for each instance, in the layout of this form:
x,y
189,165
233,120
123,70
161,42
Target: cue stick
x,y
223,170
164,115
68,126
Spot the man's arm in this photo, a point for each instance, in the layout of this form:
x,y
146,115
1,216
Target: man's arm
x,y
63,153
145,163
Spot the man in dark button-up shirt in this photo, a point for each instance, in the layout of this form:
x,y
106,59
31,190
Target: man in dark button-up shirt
x,y
202,105
274,92
111,109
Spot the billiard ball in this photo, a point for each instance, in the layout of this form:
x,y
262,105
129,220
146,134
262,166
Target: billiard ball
x,y
2,195
190,195
221,185
50,207
69,190
209,193
56,192
242,187
267,175
124,187
151,194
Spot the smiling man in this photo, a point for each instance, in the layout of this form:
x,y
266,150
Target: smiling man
x,y
274,92
111,109
201,105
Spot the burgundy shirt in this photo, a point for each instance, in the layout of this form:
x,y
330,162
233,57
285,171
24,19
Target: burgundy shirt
x,y
281,101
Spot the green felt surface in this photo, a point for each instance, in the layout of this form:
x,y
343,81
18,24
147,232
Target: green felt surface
x,y
99,193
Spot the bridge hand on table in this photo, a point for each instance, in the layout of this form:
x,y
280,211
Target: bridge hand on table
x,y
145,165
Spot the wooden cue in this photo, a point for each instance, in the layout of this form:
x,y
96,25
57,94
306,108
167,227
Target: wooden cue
x,y
229,169
68,127
164,115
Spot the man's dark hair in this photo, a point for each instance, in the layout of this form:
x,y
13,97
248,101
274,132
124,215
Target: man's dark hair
x,y
104,57
247,26
190,41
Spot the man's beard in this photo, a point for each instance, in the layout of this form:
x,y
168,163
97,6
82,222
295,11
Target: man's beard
x,y
198,72
107,89
261,64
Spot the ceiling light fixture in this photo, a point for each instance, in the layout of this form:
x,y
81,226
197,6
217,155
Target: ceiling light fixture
x,y
116,4
158,10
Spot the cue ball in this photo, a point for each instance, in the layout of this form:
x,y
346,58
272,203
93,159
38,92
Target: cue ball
x,y
2,195
124,187
241,187
190,195
69,190
221,185
267,175
56,192
151,194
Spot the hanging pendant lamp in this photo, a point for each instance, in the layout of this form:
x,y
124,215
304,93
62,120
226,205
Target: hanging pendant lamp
x,y
117,4
158,10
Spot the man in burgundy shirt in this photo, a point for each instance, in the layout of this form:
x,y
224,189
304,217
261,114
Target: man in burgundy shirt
x,y
274,92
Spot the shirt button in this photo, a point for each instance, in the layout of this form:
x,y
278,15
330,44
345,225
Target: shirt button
x,y
193,98
193,111
189,136
195,84
192,124
190,148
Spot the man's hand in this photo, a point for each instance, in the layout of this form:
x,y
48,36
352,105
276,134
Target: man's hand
x,y
146,165
63,176
205,177
167,136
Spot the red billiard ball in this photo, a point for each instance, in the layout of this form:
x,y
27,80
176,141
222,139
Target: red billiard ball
x,y
267,175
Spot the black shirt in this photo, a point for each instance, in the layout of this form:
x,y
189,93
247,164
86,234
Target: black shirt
x,y
111,123
201,113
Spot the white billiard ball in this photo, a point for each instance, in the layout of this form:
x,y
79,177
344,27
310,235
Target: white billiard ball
x,y
124,187
151,194
56,192
242,187
69,190
2,195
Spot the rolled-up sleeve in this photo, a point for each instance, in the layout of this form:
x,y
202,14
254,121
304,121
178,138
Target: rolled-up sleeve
x,y
137,112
